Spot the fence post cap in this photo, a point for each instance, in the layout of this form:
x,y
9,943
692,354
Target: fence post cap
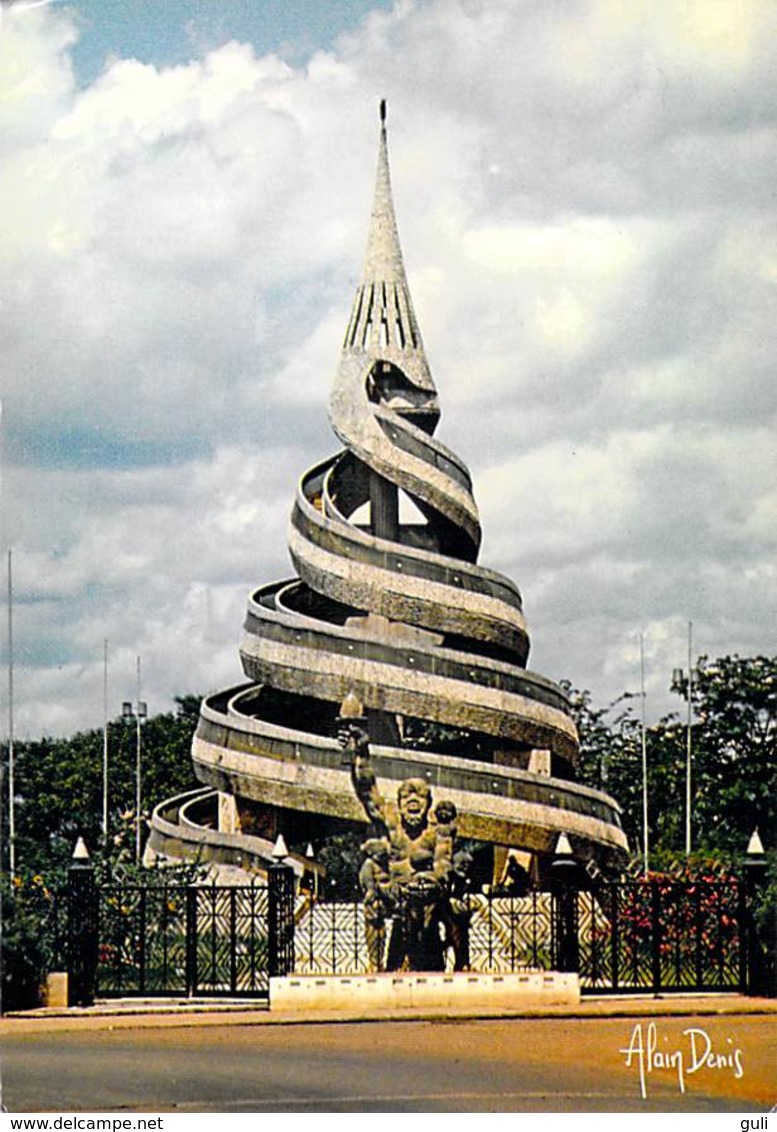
x,y
80,853
279,850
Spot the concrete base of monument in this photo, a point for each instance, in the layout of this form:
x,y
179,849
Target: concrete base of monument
x,y
418,991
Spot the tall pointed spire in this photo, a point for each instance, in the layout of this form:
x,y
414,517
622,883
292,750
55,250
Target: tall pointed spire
x,y
383,258
383,327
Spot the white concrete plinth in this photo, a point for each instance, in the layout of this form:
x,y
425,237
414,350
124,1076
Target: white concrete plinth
x,y
415,991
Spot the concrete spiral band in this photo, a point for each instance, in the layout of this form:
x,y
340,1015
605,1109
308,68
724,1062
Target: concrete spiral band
x,y
390,604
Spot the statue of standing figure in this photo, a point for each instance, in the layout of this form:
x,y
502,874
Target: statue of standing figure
x,y
408,868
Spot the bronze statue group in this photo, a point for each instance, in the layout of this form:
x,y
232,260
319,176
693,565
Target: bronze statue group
x,y
413,873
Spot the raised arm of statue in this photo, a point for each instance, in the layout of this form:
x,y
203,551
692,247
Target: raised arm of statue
x,y
355,744
366,787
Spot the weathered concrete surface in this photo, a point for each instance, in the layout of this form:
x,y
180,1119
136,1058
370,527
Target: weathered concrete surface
x,y
488,800
397,612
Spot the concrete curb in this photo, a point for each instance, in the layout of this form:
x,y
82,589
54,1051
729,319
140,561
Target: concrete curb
x,y
128,1014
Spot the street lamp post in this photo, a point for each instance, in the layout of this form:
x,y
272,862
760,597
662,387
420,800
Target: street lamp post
x,y
643,729
138,712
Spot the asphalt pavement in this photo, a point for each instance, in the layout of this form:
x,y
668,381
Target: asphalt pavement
x,y
205,1057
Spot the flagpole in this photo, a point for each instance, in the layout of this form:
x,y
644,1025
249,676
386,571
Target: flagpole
x,y
105,742
138,768
645,854
689,743
11,753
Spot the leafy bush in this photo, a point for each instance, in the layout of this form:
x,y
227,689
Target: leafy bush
x,y
24,952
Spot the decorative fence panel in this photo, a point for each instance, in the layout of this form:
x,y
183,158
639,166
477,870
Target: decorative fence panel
x,y
510,933
505,934
141,940
647,936
330,939
633,937
187,940
231,952
662,936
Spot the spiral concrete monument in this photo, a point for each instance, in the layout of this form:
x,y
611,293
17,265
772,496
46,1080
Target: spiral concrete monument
x,y
389,605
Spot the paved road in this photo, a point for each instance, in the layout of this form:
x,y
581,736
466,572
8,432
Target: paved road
x,y
544,1064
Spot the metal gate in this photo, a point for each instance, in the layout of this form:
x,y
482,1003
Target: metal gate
x,y
661,936
183,940
643,937
630,937
505,934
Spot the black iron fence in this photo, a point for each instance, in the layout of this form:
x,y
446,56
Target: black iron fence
x,y
188,940
662,936
647,936
653,936
331,937
167,939
142,947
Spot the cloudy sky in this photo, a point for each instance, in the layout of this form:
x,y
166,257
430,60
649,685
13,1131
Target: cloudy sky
x,y
586,199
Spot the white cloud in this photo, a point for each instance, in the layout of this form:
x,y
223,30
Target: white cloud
x,y
585,197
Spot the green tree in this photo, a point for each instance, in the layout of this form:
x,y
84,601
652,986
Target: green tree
x,y
733,767
59,786
610,754
734,741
